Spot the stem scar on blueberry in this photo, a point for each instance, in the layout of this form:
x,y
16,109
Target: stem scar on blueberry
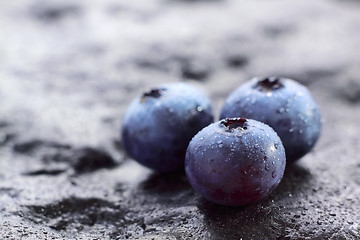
x,y
153,93
232,123
269,83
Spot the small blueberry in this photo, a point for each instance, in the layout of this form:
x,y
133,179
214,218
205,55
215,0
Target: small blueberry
x,y
158,126
283,104
224,166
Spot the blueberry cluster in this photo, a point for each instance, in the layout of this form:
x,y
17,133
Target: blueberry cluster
x,y
265,123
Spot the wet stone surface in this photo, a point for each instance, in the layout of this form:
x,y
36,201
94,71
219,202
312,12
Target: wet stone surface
x,y
68,70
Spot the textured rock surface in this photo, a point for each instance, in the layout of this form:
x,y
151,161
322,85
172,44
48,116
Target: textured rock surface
x,y
68,70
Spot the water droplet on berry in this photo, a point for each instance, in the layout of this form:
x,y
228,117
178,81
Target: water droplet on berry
x,y
273,174
267,167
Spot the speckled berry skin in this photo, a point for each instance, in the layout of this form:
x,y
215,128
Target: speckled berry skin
x,y
283,104
158,126
235,161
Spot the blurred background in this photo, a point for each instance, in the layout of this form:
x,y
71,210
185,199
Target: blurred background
x,y
68,70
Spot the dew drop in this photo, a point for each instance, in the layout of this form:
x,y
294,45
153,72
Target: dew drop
x,y
273,174
199,109
267,167
291,130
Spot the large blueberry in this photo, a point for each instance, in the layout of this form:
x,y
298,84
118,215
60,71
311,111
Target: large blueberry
x,y
283,104
235,161
158,126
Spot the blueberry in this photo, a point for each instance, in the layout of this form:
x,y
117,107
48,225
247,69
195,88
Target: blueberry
x,y
158,126
235,161
283,104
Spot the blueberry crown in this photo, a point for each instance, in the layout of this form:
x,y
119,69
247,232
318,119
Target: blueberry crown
x,y
153,93
232,123
269,83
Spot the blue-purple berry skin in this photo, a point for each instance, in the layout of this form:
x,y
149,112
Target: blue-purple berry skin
x,y
235,161
158,126
283,104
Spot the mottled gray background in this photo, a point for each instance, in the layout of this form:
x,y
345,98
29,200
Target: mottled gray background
x,y
68,70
